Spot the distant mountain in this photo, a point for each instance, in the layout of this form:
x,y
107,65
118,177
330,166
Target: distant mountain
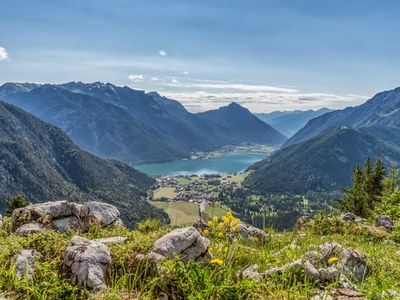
x,y
130,125
382,110
325,162
234,122
40,161
289,122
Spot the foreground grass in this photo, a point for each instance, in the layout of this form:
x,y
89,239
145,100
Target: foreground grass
x,y
130,279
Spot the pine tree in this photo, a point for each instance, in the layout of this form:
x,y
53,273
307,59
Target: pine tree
x,y
17,202
356,198
378,178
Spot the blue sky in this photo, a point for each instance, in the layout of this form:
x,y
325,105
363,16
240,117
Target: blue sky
x,y
266,55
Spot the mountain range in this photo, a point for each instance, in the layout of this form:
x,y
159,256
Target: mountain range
x,y
134,126
320,157
39,160
289,122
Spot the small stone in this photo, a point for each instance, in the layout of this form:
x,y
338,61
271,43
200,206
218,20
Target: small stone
x,y
65,224
25,263
252,272
99,213
249,232
329,274
348,217
29,228
384,221
353,263
330,250
311,272
303,220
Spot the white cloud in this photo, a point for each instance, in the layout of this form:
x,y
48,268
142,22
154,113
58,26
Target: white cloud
x,y
3,54
136,77
186,73
154,78
162,53
197,101
234,86
173,80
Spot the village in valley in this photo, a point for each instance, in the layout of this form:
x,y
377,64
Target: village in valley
x,y
184,197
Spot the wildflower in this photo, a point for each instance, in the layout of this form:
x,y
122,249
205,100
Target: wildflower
x,y
225,250
332,260
220,235
217,261
205,232
210,223
215,219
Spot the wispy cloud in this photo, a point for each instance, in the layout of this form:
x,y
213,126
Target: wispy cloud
x,y
3,54
162,53
264,101
136,77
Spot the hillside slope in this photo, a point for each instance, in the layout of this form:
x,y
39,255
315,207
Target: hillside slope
x,y
289,122
235,122
130,125
383,109
323,163
40,161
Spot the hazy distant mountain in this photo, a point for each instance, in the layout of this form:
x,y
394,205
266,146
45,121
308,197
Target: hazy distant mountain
x,y
325,162
130,125
383,109
234,122
289,122
40,161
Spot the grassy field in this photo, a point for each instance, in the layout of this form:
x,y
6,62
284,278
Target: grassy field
x,y
217,210
180,213
167,192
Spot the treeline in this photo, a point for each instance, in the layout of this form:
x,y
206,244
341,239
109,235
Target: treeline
x,y
374,190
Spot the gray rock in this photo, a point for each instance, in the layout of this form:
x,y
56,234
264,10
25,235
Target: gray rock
x,y
65,224
313,257
329,274
200,225
25,263
384,221
29,228
54,210
112,240
353,264
252,272
100,213
88,261
348,217
184,242
330,250
311,272
303,220
247,231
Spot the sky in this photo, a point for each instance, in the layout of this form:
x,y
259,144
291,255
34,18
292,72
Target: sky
x,y
266,55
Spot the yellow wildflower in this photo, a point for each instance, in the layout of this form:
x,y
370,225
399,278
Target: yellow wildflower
x,y
210,223
217,261
215,219
225,250
220,235
332,260
205,232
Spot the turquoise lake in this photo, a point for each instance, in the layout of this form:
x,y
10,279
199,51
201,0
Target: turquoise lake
x,y
228,163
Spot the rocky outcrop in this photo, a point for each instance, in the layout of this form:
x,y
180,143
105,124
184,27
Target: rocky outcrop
x,y
25,263
331,263
385,222
186,243
88,261
63,216
348,217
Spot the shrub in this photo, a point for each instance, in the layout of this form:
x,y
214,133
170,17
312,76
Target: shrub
x,y
149,225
